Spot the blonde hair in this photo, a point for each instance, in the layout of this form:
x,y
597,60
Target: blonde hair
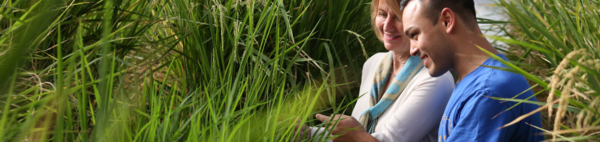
x,y
392,4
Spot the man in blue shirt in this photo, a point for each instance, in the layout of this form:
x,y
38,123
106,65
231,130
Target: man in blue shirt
x,y
445,34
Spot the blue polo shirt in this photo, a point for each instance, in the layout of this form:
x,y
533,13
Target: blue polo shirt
x,y
472,116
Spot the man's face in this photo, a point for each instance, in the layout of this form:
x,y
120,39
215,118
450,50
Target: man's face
x,y
427,40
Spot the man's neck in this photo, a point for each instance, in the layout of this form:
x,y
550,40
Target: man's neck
x,y
470,57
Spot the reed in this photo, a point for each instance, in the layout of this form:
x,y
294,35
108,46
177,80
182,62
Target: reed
x,y
186,70
555,45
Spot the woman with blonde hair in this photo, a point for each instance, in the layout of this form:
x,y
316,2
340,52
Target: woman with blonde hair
x,y
399,100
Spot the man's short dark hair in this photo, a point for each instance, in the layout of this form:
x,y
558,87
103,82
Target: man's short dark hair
x,y
433,8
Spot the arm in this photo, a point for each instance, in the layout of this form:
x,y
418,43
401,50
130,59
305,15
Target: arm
x,y
348,129
420,113
358,133
477,121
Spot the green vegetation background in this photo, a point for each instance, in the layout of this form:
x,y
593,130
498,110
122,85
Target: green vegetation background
x,y
233,70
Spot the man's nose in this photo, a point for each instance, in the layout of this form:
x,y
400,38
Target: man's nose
x,y
414,50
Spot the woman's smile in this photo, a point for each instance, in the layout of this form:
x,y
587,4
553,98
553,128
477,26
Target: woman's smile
x,y
391,37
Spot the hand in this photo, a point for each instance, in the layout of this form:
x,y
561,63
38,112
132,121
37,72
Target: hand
x,y
348,129
301,131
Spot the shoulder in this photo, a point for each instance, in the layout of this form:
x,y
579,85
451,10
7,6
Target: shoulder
x,y
373,62
500,82
375,59
424,79
505,84
368,71
423,85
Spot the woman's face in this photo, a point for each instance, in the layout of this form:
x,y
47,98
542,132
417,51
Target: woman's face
x,y
390,26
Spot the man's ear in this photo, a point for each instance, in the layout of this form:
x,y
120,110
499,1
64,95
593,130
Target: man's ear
x,y
447,19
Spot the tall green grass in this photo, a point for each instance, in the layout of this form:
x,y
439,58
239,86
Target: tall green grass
x,y
555,44
187,70
231,70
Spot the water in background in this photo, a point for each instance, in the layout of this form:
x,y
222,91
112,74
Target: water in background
x,y
488,9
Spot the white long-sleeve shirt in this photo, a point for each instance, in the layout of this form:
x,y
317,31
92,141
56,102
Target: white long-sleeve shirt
x,y
415,115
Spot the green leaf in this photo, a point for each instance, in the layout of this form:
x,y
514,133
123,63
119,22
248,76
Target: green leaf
x,y
569,108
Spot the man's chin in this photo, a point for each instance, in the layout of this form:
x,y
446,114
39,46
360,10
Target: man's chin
x,y
435,73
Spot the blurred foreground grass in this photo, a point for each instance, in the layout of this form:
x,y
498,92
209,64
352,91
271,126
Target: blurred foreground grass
x,y
185,70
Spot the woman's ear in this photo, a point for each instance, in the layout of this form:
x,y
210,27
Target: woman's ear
x,y
447,19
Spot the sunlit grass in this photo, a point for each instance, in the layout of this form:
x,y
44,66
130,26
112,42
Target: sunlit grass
x,y
177,70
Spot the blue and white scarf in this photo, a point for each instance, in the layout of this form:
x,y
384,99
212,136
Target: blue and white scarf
x,y
412,66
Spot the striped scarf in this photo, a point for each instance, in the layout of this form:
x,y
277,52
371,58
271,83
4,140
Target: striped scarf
x,y
378,105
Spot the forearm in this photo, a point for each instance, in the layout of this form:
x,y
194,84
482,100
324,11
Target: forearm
x,y
366,137
356,136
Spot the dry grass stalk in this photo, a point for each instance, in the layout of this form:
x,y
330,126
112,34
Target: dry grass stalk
x,y
528,114
556,78
564,100
570,78
588,118
572,130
